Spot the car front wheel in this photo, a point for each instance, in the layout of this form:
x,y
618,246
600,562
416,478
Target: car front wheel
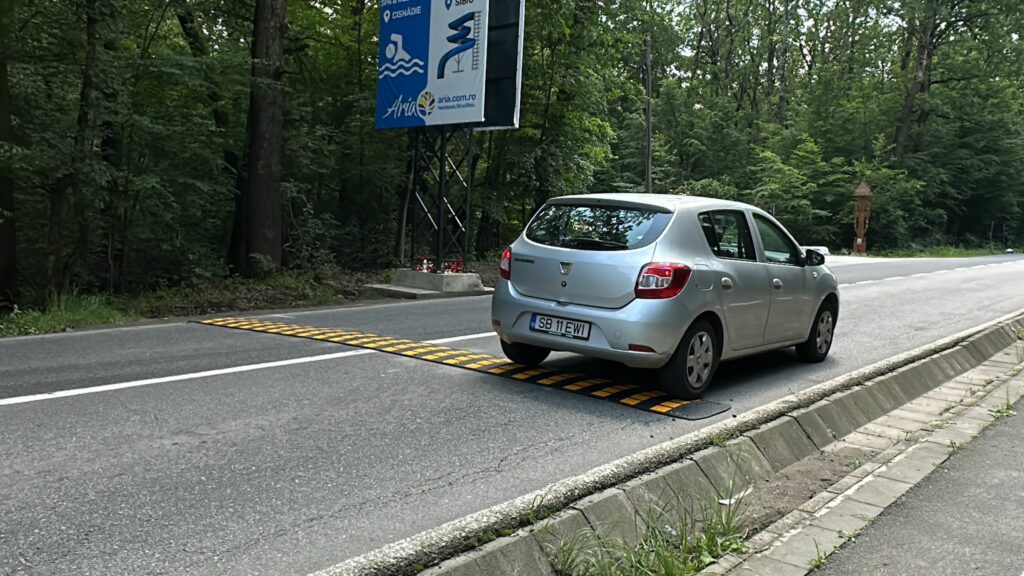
x,y
524,353
819,341
688,373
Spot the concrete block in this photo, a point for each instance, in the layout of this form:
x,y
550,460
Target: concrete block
x,y
996,339
979,414
690,485
438,282
723,566
932,408
782,442
788,522
844,450
761,541
933,376
911,469
889,393
961,358
764,566
843,485
869,441
464,565
815,503
612,516
949,437
805,546
812,424
904,414
867,401
866,469
975,354
901,382
848,517
902,424
733,468
844,402
945,366
518,555
884,432
652,497
565,526
880,492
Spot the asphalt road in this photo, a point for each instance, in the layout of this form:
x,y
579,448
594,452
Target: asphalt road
x,y
965,518
294,466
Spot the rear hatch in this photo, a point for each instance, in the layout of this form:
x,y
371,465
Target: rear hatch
x,y
587,253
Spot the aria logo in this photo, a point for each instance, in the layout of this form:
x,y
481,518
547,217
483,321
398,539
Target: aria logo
x,y
426,104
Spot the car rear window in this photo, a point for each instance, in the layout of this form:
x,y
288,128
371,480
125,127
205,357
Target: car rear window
x,y
584,227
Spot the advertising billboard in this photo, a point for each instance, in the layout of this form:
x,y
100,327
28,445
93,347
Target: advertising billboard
x,y
432,63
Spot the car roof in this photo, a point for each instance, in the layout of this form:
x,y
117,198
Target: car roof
x,y
672,202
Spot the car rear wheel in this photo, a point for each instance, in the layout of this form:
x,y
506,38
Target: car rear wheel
x,y
688,373
819,341
524,353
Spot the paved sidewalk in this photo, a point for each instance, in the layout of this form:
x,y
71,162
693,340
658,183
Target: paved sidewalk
x,y
967,517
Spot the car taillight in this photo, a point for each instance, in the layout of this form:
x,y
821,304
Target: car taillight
x,y
505,267
662,280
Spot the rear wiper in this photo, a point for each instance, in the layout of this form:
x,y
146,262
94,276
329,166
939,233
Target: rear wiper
x,y
595,243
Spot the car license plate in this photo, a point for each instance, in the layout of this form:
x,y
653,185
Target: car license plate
x,y
560,327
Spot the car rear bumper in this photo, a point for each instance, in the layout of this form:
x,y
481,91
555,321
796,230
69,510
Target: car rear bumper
x,y
658,324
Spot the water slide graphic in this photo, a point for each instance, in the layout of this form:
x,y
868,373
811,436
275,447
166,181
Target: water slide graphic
x,y
402,63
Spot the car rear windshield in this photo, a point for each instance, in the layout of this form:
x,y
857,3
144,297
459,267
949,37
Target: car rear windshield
x,y
585,227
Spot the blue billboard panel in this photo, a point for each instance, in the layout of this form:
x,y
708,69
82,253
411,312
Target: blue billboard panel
x,y
432,61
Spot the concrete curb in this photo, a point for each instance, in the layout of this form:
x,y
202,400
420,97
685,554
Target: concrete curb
x,y
860,397
836,516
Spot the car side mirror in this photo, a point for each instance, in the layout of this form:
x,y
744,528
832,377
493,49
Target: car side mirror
x,y
813,258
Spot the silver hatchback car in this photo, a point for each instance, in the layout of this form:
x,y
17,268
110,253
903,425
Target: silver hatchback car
x,y
672,283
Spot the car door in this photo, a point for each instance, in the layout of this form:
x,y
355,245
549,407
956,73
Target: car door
x,y
742,281
787,278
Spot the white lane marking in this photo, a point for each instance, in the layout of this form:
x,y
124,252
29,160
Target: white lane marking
x,y
280,316
925,274
209,373
459,338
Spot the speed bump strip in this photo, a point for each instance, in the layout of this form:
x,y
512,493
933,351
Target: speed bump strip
x,y
639,397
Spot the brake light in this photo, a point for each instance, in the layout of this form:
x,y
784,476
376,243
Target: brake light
x,y
505,267
658,281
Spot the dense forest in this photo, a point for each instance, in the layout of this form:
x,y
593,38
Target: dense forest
x,y
147,143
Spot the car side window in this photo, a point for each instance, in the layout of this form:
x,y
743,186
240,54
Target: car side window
x,y
778,248
728,235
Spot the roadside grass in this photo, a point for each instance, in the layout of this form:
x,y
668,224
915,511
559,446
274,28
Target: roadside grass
x,y
205,296
72,312
939,252
679,544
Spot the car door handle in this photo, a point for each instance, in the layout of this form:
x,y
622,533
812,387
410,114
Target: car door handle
x,y
777,284
726,284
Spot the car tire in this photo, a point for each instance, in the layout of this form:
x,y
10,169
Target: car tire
x,y
691,368
819,341
524,353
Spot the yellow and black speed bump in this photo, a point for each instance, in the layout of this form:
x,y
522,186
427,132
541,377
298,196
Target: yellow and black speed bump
x,y
640,397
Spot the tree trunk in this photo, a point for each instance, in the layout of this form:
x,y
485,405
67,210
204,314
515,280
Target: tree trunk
x,y
919,82
55,262
8,245
233,162
262,200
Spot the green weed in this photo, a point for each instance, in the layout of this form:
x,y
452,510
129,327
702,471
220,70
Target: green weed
x,y
819,558
677,544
